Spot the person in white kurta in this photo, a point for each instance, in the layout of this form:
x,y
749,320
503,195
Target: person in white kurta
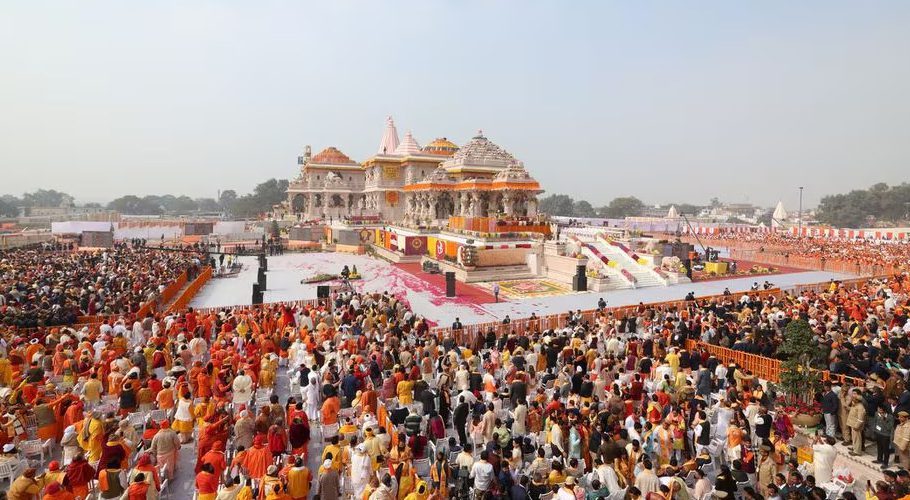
x,y
136,335
724,415
311,397
608,477
823,455
360,470
242,388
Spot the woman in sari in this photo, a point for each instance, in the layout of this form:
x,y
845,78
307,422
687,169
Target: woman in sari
x,y
624,467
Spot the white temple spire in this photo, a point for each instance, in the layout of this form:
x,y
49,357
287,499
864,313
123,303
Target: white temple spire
x,y
673,213
408,146
389,142
779,212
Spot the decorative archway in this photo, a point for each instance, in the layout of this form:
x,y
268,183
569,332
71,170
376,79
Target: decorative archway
x,y
298,203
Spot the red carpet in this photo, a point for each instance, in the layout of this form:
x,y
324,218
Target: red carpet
x,y
463,291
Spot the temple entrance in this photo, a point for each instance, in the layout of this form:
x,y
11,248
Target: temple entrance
x,y
445,206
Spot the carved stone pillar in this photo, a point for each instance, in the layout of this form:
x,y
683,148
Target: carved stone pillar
x,y
508,203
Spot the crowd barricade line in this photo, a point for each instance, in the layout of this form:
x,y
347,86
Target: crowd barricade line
x,y
762,367
468,334
314,303
189,292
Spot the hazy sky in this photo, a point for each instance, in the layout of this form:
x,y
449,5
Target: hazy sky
x,y
666,101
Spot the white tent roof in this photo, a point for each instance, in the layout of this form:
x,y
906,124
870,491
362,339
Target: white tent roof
x,y
673,213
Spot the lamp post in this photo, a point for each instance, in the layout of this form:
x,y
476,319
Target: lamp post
x,y
799,230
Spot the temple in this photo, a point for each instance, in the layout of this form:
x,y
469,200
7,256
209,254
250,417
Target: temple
x,y
414,185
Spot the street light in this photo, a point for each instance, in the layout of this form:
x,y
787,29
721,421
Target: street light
x,y
799,231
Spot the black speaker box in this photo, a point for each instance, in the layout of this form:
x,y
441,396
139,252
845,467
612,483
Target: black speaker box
x,y
450,284
322,291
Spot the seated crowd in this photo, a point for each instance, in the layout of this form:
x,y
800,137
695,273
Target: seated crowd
x,y
870,252
386,409
44,287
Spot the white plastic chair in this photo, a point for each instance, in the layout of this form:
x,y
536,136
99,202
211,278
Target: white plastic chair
x,y
136,420
422,467
329,430
158,415
6,472
32,448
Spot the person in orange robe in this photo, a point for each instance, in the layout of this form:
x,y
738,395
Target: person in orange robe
x,y
78,475
207,483
330,408
54,491
144,465
258,458
215,458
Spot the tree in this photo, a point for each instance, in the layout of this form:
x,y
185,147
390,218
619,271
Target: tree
x,y
227,199
582,208
8,210
134,205
264,196
559,205
621,207
798,378
207,205
46,198
880,204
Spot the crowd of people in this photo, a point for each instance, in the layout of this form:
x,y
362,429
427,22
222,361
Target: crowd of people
x,y
45,286
359,398
865,252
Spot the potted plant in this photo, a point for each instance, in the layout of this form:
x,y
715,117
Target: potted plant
x,y
798,380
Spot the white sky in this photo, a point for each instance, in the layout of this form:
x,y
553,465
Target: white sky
x,y
672,101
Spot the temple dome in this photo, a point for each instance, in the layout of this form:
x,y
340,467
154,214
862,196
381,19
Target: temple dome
x,y
441,147
332,156
481,151
514,172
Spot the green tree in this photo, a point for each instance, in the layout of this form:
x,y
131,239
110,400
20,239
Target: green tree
x,y
879,205
582,208
46,198
624,206
134,205
207,205
227,199
264,196
559,205
798,377
8,210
